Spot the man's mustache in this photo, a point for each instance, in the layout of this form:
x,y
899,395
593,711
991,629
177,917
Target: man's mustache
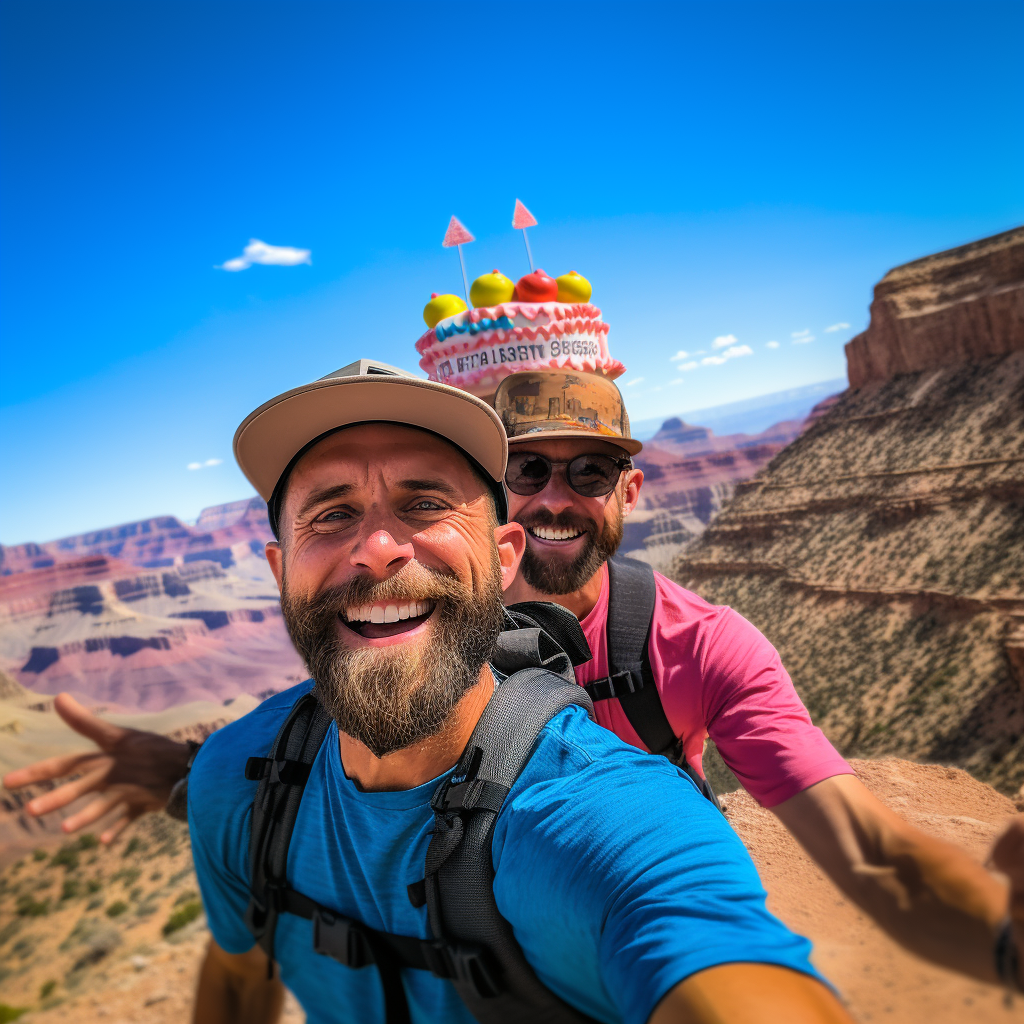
x,y
414,582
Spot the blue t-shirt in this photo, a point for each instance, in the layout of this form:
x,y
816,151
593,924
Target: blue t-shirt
x,y
619,879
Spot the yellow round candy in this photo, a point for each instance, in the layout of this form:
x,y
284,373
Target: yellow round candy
x,y
491,289
573,287
441,306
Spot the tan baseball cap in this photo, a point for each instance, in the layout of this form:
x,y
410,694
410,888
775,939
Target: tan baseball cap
x,y
271,439
540,404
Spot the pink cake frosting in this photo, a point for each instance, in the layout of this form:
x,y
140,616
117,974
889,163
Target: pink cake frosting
x,y
477,348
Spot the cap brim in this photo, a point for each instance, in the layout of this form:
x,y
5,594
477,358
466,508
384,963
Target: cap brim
x,y
269,438
630,445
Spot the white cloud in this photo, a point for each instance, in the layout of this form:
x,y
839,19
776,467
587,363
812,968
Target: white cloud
x,y
714,360
679,355
689,366
771,344
701,352
738,350
203,465
836,327
803,339
270,255
630,383
724,341
678,380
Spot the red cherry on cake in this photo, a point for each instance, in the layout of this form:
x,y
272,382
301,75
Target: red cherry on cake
x,y
536,287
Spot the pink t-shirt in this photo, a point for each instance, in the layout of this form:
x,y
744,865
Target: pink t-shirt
x,y
718,676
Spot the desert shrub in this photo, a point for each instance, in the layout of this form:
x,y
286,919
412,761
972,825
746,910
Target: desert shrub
x,y
93,885
66,857
70,889
134,844
39,855
188,894
87,841
156,876
9,1013
116,908
127,876
136,894
95,903
46,989
186,915
28,906
9,930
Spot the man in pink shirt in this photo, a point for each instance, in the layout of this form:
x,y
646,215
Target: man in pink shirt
x,y
681,670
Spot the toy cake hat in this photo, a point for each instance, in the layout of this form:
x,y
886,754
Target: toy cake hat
x,y
538,323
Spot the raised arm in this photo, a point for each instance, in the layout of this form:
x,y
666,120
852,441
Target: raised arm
x,y
930,896
234,989
133,771
750,994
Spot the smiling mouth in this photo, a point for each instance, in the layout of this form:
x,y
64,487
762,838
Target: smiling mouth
x,y
552,533
383,619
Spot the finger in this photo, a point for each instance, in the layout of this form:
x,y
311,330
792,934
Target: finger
x,y
83,721
116,829
69,791
51,768
88,815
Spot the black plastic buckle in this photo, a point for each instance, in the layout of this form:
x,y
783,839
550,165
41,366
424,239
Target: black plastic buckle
x,y
340,938
472,966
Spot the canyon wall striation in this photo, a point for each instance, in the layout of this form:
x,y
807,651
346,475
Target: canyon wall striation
x,y
882,552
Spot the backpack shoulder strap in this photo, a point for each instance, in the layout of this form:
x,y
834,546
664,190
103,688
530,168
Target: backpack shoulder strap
x,y
282,777
632,593
490,972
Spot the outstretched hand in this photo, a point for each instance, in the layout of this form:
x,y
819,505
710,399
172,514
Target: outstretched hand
x,y
1008,857
132,772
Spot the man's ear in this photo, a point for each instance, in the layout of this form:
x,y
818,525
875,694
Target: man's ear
x,y
275,556
511,542
634,478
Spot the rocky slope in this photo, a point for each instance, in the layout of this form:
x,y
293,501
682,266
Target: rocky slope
x,y
883,554
117,934
689,474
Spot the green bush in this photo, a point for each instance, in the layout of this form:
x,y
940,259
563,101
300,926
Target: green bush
x,y
87,841
133,844
66,857
188,894
115,908
27,906
93,885
9,1013
187,914
47,989
39,855
71,888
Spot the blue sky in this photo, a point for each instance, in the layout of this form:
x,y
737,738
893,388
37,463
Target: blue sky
x,y
714,169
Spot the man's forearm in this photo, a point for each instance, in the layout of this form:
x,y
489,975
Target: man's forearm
x,y
927,894
235,989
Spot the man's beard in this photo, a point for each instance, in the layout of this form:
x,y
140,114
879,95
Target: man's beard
x,y
554,575
391,697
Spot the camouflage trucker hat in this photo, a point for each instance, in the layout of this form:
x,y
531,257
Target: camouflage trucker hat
x,y
536,404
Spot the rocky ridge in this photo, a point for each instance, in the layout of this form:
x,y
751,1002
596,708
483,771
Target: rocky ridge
x,y
883,554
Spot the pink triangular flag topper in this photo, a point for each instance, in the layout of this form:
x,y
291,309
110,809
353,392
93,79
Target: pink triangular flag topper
x,y
522,218
456,234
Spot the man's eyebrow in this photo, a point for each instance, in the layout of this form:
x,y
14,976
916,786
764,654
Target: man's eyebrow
x,y
319,497
432,485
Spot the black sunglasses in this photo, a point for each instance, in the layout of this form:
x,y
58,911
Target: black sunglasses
x,y
593,476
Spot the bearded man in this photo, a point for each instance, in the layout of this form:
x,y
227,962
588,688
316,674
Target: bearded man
x,y
393,555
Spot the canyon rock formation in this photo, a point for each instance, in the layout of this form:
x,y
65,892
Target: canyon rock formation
x,y
952,308
689,474
149,614
882,552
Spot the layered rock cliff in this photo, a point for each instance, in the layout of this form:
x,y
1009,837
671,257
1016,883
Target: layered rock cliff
x,y
883,551
949,309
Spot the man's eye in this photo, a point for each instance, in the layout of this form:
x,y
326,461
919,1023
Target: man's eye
x,y
329,522
427,505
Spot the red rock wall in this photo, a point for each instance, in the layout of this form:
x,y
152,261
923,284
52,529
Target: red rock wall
x,y
948,309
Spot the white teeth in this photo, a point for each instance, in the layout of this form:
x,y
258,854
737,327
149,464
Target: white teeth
x,y
548,533
388,612
391,613
403,611
377,613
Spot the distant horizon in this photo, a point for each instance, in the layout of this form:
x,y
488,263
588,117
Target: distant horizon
x,y
715,412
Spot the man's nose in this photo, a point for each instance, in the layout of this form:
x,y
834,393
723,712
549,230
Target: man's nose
x,y
557,496
381,554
